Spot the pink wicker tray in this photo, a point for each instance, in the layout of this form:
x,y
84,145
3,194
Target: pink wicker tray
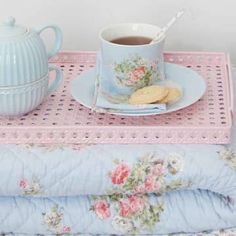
x,y
62,120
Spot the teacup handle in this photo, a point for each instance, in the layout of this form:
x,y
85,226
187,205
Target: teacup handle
x,y
58,39
57,81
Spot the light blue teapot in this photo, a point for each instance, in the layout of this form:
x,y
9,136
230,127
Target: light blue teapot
x,y
24,69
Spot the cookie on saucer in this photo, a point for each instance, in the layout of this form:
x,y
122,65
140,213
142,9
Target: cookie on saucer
x,y
149,94
173,96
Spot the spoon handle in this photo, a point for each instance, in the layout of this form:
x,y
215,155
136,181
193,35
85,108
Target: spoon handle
x,y
168,25
173,20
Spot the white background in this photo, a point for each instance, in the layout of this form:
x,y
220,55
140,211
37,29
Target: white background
x,y
208,25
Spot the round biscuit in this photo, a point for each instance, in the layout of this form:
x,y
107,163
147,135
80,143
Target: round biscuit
x,y
173,96
149,94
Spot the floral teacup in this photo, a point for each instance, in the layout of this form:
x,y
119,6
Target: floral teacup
x,y
125,68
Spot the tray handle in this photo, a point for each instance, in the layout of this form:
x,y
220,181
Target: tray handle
x,y
231,86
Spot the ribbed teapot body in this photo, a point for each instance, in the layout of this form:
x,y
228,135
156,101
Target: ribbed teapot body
x,y
22,60
24,68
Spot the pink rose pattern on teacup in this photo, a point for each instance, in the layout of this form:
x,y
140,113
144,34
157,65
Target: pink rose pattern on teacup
x,y
127,203
136,72
53,219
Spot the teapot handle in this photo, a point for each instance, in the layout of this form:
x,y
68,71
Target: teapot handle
x,y
58,39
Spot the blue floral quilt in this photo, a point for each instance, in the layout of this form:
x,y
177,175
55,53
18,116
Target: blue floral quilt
x,y
117,189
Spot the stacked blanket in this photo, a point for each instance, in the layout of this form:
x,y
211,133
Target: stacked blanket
x,y
117,189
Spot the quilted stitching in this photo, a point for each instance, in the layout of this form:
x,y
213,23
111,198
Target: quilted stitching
x,y
63,170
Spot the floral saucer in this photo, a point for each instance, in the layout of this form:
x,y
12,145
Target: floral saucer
x,y
192,84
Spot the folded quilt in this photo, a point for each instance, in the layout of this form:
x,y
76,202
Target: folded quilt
x,y
222,232
117,189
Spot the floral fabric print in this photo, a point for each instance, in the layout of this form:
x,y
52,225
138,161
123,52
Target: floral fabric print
x,y
136,72
32,187
45,147
120,174
131,213
54,221
102,209
229,156
148,175
127,204
222,232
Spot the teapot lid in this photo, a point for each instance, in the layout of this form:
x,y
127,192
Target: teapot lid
x,y
8,29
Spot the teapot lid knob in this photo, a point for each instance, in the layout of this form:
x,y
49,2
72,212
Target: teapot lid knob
x,y
9,21
8,29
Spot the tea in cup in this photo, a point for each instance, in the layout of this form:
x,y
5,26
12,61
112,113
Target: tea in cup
x,y
128,60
